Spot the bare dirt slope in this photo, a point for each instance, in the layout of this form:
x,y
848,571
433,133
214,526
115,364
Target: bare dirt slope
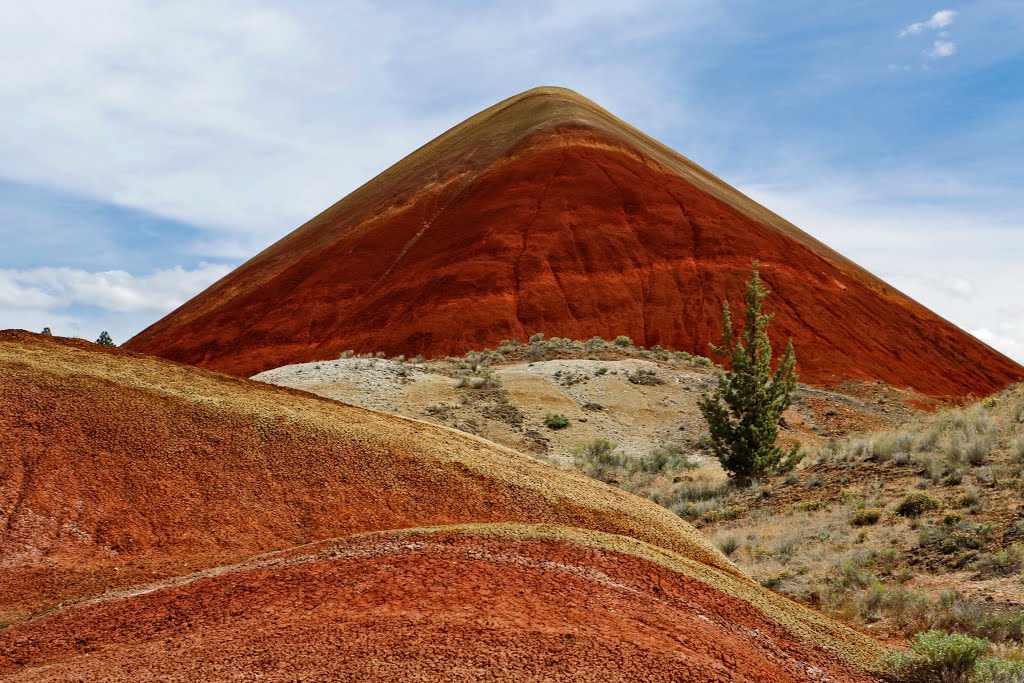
x,y
507,602
139,499
545,213
117,468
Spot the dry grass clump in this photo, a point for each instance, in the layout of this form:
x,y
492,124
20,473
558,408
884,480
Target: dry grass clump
x,y
645,377
942,443
866,516
1017,449
661,475
857,594
537,348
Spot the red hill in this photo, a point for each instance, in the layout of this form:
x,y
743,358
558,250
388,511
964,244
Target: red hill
x,y
545,213
519,603
160,522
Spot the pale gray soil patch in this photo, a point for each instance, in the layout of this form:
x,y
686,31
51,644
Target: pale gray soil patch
x,y
596,396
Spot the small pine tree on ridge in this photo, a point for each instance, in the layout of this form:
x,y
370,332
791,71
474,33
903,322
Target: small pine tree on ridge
x,y
744,409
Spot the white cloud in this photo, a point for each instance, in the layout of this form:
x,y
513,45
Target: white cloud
x,y
939,20
252,117
963,264
956,286
115,291
941,48
1007,337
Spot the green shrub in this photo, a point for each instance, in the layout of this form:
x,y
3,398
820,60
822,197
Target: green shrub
x,y
1003,561
928,440
556,421
600,459
723,514
807,506
882,447
665,458
866,516
995,670
599,452
915,504
732,512
938,657
622,341
537,338
953,539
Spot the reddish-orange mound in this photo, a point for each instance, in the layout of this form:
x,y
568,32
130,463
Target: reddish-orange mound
x,y
427,607
545,213
117,469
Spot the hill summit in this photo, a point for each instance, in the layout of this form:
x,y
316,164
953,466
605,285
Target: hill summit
x,y
546,213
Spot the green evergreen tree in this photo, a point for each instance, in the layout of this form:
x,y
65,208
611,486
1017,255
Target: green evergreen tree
x,y
105,339
744,410
46,332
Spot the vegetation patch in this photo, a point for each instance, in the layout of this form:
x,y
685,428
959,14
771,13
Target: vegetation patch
x,y
556,421
866,516
916,504
939,657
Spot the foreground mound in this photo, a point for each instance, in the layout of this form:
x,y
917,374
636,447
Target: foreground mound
x,y
506,602
545,213
117,469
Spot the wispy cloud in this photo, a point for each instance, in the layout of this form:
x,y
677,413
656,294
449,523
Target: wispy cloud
x,y
938,21
941,48
79,303
214,114
113,290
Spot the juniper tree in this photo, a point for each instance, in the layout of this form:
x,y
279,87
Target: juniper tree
x,y
46,332
744,409
104,339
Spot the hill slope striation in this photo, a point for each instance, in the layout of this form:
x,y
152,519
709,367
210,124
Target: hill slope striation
x,y
546,213
117,468
158,522
494,602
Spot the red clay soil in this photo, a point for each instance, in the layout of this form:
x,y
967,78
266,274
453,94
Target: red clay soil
x,y
118,469
545,213
423,607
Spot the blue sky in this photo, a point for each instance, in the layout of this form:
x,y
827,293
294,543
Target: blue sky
x,y
149,147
